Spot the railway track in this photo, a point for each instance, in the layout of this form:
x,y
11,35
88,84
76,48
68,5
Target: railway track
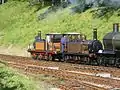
x,y
77,75
74,83
115,72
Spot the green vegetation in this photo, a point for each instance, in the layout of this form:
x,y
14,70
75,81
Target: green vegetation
x,y
19,22
11,80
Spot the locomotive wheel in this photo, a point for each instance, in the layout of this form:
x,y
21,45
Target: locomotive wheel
x,y
106,61
60,58
53,57
34,57
99,60
65,59
87,60
117,64
50,57
84,60
46,57
40,57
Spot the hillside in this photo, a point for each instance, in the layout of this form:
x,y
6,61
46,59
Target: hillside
x,y
19,23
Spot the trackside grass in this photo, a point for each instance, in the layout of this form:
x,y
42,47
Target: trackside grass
x,y
11,80
16,80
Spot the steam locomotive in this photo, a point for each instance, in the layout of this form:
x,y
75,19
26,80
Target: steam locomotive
x,y
78,49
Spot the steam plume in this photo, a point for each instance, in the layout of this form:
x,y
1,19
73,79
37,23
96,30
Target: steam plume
x,y
82,5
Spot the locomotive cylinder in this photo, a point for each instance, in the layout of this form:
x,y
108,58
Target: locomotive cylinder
x,y
94,34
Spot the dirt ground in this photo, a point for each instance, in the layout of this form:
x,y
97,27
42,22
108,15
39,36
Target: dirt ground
x,y
14,51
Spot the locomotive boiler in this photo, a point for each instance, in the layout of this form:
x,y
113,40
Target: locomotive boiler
x,y
111,42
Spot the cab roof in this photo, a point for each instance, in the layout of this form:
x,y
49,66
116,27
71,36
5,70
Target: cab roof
x,y
72,33
69,33
54,34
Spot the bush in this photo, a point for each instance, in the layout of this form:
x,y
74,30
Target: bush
x,y
10,80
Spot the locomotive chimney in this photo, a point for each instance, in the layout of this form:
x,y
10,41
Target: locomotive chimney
x,y
39,34
116,27
94,34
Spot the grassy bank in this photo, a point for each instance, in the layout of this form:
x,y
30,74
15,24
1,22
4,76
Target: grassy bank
x,y
11,80
19,23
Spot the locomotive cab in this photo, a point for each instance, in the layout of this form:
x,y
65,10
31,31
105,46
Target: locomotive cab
x,y
53,42
74,42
